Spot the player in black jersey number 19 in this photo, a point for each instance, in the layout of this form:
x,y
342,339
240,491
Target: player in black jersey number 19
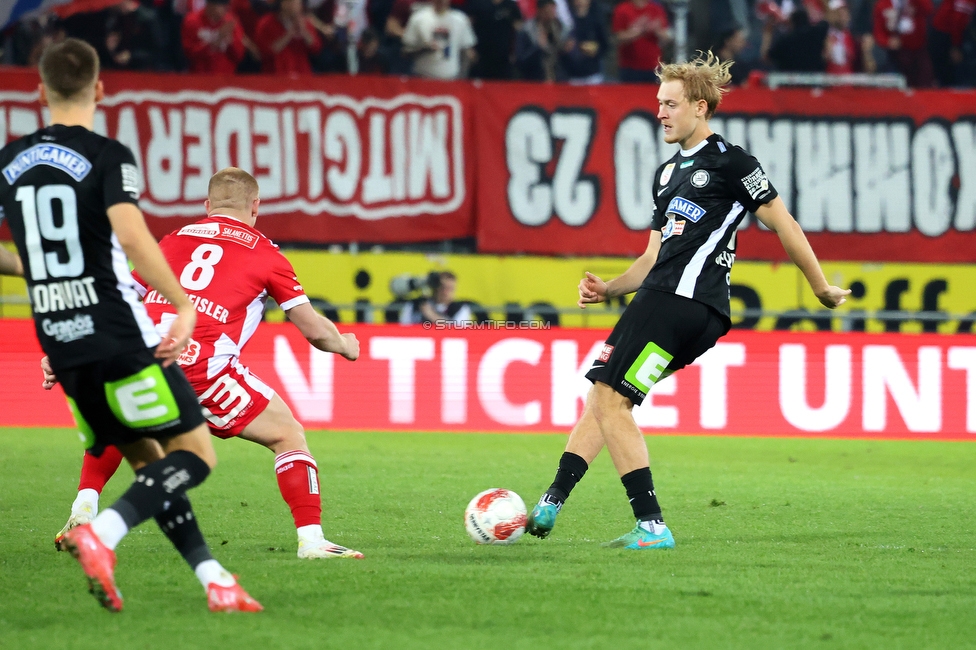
x,y
70,197
682,282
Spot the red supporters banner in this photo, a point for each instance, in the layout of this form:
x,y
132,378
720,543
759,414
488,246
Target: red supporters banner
x,y
919,387
337,158
869,174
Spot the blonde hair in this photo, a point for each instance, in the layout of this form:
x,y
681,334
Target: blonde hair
x,y
232,188
704,78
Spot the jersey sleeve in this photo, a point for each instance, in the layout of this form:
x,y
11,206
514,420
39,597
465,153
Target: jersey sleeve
x,y
748,180
120,176
283,284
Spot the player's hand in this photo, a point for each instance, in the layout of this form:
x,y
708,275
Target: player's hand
x,y
176,339
350,347
832,297
591,290
49,379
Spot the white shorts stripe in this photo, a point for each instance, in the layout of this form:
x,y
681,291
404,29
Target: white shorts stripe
x,y
252,381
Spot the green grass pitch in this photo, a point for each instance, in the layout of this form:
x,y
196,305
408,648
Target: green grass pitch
x,y
781,543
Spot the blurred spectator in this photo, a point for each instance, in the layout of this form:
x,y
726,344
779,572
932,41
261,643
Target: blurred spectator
x,y
537,44
730,45
133,38
441,40
437,302
372,59
213,40
28,39
249,12
900,27
287,39
331,57
389,17
495,24
798,49
641,28
840,51
946,40
862,28
585,45
88,26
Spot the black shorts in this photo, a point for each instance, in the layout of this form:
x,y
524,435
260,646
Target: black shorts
x,y
128,397
657,334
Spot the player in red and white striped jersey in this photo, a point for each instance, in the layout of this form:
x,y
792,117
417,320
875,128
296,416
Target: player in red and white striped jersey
x,y
228,269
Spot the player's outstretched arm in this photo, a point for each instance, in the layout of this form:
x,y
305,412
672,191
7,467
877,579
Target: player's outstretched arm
x,y
141,248
593,290
10,263
777,218
322,333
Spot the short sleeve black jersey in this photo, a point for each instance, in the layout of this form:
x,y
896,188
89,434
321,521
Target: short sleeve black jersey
x,y
700,197
56,187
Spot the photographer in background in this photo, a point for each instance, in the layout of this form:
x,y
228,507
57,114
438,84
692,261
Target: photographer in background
x,y
435,302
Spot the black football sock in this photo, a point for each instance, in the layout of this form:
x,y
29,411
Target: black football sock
x,y
640,491
156,483
180,525
570,471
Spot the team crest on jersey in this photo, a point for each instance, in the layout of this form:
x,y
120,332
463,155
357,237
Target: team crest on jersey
x,y
666,174
679,207
672,228
67,160
699,178
220,231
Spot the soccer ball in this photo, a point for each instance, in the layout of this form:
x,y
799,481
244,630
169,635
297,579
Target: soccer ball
x,y
495,516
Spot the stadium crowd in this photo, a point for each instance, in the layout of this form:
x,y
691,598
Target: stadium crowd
x,y
931,42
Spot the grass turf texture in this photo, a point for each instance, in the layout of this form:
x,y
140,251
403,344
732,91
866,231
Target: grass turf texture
x,y
782,543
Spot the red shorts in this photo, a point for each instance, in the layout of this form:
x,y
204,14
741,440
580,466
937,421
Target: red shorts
x,y
232,399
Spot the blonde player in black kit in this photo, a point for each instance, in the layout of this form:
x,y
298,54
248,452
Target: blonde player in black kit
x,y
70,197
682,282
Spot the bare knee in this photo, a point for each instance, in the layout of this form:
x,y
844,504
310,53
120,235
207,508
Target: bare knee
x,y
196,442
290,437
141,453
605,403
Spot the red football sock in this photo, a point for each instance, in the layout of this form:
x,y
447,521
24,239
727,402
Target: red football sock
x,y
95,472
298,480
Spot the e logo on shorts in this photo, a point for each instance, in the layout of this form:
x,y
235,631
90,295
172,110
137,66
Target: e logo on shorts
x,y
143,399
648,367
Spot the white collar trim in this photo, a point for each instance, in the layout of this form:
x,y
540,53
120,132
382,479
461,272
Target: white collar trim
x,y
698,147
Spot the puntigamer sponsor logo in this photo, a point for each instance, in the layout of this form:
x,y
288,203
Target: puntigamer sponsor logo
x,y
67,160
65,331
684,208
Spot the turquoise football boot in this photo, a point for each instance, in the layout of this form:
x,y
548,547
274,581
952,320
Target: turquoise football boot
x,y
641,539
541,520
